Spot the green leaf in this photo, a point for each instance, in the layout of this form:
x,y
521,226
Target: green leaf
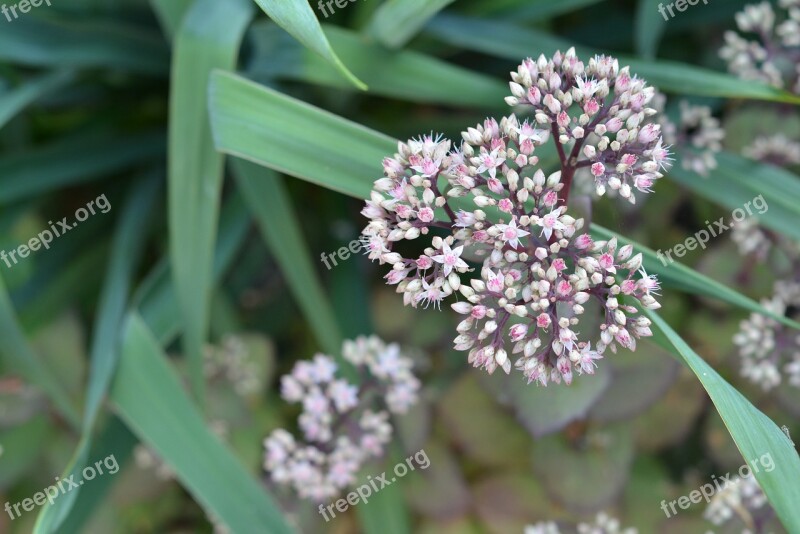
x,y
18,355
150,399
529,10
38,42
271,206
396,22
649,27
170,13
209,38
755,434
297,18
397,74
115,440
737,181
129,240
271,129
72,160
155,298
23,442
14,101
518,43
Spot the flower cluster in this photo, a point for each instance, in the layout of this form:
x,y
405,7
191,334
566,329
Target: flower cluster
x,y
232,361
774,58
766,346
699,136
742,498
343,425
603,524
488,202
776,149
602,112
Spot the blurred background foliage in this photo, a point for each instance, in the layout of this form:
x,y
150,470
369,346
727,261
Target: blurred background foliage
x,y
93,95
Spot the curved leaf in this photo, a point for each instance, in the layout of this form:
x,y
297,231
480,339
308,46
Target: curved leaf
x,y
208,38
15,100
397,21
297,18
755,434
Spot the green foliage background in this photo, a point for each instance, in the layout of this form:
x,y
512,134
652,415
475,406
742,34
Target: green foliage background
x,y
233,139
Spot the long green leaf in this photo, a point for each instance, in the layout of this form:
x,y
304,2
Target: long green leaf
x,y
37,42
170,13
18,99
518,43
156,299
128,245
737,181
209,38
649,27
396,22
528,10
297,18
272,207
398,74
151,400
18,355
72,160
755,434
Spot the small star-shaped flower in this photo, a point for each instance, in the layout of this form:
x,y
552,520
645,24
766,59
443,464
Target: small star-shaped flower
x,y
451,259
511,234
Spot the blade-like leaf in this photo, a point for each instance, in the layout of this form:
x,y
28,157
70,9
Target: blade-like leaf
x,y
18,355
170,13
271,206
755,434
14,101
397,21
528,10
150,399
398,74
208,38
297,18
518,43
72,160
38,42
264,126
737,181
128,245
649,27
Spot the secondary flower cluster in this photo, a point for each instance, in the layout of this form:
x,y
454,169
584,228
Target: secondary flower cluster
x,y
698,134
603,524
602,112
490,203
742,498
775,57
776,149
343,424
766,346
